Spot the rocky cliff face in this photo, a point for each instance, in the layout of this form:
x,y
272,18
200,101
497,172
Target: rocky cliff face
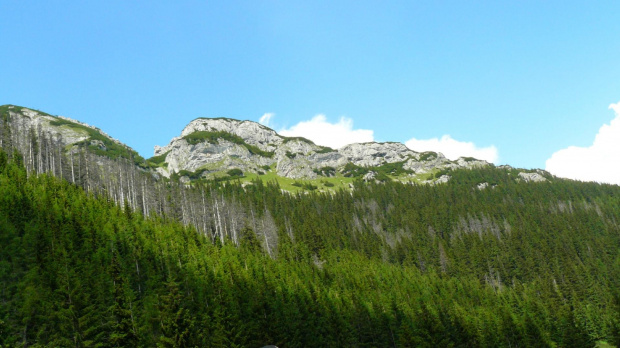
x,y
207,147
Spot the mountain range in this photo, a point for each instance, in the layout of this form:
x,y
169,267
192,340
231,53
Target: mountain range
x,y
235,236
221,148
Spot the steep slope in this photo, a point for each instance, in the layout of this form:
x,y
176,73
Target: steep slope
x,y
210,147
495,257
81,154
522,265
85,156
32,130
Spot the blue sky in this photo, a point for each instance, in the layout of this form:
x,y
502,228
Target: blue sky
x,y
526,78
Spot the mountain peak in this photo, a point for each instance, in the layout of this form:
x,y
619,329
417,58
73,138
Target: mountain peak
x,y
252,132
209,147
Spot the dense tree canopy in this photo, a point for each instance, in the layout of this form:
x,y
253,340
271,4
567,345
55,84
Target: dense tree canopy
x,y
515,264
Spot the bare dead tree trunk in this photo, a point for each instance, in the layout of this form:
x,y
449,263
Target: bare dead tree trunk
x,y
59,146
72,170
219,221
145,208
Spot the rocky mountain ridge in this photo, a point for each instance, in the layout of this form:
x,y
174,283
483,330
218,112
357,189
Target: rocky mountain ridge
x,y
220,148
206,147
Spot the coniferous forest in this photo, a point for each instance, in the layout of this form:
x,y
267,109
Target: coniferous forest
x,y
382,265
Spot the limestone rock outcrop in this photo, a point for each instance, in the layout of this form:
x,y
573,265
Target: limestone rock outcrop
x,y
531,177
215,145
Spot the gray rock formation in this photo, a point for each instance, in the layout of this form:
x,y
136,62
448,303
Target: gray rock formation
x,y
211,147
295,158
531,177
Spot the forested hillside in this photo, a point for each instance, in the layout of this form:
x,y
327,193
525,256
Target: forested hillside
x,y
514,264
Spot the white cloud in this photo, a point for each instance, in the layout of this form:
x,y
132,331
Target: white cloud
x,y
324,133
266,118
453,149
598,162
